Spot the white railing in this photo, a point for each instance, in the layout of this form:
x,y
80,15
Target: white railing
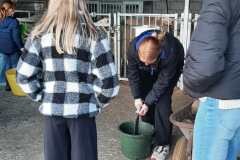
x,y
104,27
124,27
125,24
31,16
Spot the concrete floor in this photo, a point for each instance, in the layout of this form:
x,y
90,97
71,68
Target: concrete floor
x,y
21,126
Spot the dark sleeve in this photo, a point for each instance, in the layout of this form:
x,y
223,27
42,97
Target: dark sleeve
x,y
16,33
205,56
164,80
134,72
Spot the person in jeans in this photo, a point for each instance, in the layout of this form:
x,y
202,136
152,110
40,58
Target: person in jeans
x,y
79,79
155,62
212,74
11,44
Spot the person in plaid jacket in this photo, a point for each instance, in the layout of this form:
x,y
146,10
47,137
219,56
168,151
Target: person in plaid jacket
x,y
79,79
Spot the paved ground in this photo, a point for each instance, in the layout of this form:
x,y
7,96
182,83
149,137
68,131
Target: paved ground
x,y
21,126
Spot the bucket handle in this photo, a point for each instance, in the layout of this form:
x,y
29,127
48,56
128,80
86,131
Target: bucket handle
x,y
149,134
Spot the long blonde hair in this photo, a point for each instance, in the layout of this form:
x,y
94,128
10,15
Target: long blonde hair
x,y
151,46
62,21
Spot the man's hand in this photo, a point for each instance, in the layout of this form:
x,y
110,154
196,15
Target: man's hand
x,y
144,110
138,102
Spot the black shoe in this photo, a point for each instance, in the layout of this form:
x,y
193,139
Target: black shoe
x,y
8,87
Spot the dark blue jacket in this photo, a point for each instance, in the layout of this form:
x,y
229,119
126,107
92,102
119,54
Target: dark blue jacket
x,y
212,66
171,61
10,38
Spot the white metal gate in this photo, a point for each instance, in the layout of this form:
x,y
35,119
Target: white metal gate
x,y
124,26
104,27
191,24
33,17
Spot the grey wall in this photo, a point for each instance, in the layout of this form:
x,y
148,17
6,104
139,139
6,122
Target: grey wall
x,y
159,6
31,5
176,6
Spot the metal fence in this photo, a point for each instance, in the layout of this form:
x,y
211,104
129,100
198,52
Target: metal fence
x,y
191,24
125,25
104,27
111,7
195,20
185,38
30,16
114,7
132,7
124,31
33,17
124,28
93,6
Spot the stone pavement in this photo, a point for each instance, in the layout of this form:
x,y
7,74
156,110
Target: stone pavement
x,y
21,126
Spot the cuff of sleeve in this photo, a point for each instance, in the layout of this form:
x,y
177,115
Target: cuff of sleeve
x,y
137,97
39,97
147,104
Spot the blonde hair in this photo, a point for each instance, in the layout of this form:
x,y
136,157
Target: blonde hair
x,y
4,10
62,21
151,46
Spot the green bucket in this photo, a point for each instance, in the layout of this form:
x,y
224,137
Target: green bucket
x,y
136,146
23,29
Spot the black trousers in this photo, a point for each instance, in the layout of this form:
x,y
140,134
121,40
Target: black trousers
x,y
70,138
159,113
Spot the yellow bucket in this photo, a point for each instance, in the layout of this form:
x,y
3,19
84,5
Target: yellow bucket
x,y
10,74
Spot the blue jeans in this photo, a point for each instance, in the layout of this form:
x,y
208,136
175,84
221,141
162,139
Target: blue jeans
x,y
216,132
8,61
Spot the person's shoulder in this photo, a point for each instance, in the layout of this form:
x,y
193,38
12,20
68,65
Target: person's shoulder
x,y
132,50
169,35
170,38
133,42
13,20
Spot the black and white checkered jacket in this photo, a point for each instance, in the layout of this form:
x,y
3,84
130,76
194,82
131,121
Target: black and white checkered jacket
x,y
72,85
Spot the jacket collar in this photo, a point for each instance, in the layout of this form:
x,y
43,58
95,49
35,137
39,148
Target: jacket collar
x,y
154,65
5,23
